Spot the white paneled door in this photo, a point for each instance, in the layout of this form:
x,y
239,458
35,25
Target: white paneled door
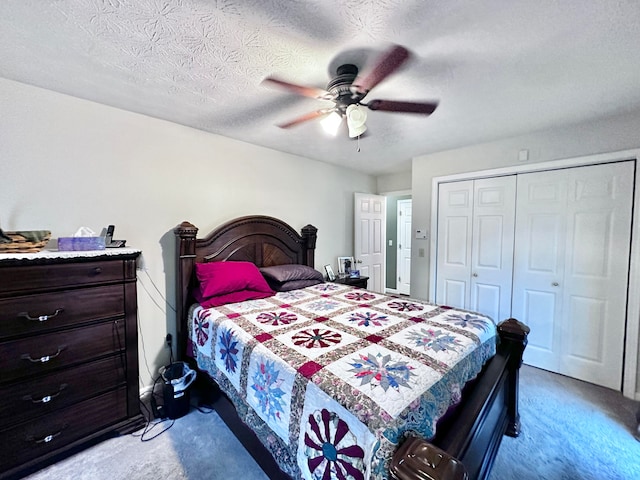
x,y
571,267
404,246
453,264
370,238
475,245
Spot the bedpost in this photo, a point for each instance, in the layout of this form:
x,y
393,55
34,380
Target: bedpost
x,y
514,333
186,258
309,236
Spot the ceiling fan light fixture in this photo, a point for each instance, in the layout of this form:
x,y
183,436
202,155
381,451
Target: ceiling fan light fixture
x,y
331,123
356,119
347,90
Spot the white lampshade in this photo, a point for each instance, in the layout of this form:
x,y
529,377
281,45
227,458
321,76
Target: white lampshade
x,y
356,118
331,123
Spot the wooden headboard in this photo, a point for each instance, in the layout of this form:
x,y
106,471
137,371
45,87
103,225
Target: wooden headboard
x,y
265,241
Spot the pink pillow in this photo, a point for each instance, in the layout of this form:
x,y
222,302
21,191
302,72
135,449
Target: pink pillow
x,y
224,278
233,297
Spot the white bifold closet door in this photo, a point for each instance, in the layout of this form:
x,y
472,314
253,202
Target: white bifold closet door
x,y
571,264
474,259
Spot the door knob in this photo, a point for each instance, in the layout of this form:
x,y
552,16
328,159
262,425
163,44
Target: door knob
x,y
475,274
555,284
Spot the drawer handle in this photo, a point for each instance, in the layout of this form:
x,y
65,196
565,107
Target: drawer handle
x,y
45,358
46,438
40,318
46,398
97,270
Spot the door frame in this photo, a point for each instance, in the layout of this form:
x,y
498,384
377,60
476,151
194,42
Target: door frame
x,y
632,325
396,193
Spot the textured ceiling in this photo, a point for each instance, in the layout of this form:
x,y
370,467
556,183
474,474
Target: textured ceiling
x,y
498,67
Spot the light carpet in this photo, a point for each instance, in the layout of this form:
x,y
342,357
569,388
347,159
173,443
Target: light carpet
x,y
197,446
571,430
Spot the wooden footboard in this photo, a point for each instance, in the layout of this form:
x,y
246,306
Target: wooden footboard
x,y
489,409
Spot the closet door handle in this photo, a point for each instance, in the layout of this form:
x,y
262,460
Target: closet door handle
x,y
555,284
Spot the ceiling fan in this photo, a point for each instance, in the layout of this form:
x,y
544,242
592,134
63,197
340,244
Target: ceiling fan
x,y
349,88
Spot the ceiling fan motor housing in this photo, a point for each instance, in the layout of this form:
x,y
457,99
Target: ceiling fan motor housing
x,y
340,86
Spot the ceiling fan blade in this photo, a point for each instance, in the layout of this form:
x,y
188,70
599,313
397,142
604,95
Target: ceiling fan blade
x,y
306,118
425,108
389,62
312,92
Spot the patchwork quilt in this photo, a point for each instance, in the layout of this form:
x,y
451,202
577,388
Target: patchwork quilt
x,y
331,378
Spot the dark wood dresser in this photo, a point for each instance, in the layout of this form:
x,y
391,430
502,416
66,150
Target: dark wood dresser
x,y
68,354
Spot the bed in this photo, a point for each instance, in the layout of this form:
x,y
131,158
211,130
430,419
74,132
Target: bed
x,y
330,413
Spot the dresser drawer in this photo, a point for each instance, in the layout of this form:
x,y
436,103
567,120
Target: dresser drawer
x,y
31,440
29,314
41,277
43,353
48,393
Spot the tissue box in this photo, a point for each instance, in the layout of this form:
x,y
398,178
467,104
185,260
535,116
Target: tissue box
x,y
80,243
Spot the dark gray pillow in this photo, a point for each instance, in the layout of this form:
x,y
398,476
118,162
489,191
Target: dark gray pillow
x,y
293,284
287,273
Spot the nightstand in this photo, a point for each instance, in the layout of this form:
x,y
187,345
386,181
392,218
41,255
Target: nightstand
x,y
355,282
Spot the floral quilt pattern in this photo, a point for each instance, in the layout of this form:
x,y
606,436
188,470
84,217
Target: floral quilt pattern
x,y
331,378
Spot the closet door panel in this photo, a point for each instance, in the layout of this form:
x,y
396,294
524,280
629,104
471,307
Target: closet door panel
x,y
586,333
492,246
488,251
475,245
539,263
487,299
572,245
453,267
456,244
541,305
599,208
544,243
454,293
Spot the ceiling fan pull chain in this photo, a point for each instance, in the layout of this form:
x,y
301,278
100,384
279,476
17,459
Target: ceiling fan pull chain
x,y
358,150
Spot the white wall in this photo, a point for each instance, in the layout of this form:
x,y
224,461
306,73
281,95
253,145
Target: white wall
x,y
395,182
67,162
607,135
